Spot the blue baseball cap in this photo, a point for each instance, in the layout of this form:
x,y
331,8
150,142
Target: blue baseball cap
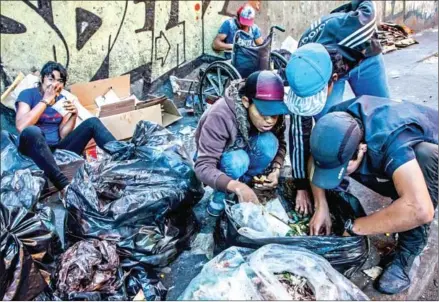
x,y
308,73
334,140
266,89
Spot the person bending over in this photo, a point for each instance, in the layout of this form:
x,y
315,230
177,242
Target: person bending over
x,y
241,136
390,147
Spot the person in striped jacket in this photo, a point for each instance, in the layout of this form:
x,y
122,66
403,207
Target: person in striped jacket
x,y
351,29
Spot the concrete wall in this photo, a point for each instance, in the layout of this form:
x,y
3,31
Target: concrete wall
x,y
148,39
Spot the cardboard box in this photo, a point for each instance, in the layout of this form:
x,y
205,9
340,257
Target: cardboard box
x,y
122,125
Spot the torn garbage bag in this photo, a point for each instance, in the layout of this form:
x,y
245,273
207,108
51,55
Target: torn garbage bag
x,y
251,226
141,198
25,244
233,275
87,268
21,188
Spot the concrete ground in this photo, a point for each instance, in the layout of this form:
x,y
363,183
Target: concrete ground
x,y
413,75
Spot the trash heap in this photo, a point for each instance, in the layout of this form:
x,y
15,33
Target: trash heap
x,y
394,36
125,217
252,226
239,274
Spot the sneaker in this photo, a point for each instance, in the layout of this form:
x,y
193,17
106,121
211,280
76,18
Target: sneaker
x,y
395,277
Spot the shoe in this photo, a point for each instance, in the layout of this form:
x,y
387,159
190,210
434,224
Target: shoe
x,y
395,277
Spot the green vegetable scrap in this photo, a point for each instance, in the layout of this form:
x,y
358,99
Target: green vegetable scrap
x,y
298,223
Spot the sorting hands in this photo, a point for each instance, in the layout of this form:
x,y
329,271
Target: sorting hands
x,y
268,182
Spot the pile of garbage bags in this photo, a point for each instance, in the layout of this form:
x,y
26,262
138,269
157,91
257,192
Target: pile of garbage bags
x,y
236,274
253,226
124,217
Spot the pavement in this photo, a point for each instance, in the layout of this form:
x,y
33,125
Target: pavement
x,y
413,75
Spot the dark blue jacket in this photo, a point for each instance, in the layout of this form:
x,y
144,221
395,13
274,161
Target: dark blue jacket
x,y
352,25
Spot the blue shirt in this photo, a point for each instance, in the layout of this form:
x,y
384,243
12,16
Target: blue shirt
x,y
230,27
49,120
392,128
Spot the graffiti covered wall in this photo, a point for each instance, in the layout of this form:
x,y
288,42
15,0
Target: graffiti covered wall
x,y
100,39
149,39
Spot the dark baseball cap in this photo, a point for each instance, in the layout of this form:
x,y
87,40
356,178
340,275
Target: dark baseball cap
x,y
266,90
334,140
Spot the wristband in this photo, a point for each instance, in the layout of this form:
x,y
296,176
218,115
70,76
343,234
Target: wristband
x,y
45,102
348,227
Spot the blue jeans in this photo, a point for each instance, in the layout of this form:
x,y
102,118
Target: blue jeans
x,y
368,78
243,164
32,143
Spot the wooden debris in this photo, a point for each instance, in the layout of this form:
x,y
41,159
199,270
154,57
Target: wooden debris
x,y
394,36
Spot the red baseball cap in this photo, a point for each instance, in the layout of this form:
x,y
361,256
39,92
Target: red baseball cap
x,y
246,15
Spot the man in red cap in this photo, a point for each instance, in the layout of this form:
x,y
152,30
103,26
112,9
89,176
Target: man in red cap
x,y
243,21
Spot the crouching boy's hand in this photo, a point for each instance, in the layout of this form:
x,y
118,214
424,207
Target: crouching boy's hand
x,y
244,192
271,182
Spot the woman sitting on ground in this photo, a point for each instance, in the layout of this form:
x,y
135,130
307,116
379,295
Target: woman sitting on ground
x,y
43,130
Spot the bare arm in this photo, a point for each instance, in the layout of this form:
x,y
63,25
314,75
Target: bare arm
x,y
413,208
259,41
28,117
321,221
219,45
69,121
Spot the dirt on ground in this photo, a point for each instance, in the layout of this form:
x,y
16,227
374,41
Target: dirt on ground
x,y
432,291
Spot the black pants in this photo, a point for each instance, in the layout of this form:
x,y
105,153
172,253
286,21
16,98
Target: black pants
x,y
32,143
413,241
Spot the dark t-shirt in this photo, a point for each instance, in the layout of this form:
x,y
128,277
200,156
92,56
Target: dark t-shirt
x,y
49,120
392,128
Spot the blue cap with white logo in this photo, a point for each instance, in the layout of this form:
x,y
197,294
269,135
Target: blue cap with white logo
x,y
308,73
334,140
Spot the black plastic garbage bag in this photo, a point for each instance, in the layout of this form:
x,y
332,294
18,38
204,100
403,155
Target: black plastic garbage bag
x,y
141,279
89,267
21,188
346,254
25,243
12,160
141,198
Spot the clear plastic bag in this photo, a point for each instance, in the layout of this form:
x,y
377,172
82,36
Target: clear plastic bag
x,y
234,275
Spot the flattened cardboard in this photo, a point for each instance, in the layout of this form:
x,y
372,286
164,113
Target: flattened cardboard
x,y
122,125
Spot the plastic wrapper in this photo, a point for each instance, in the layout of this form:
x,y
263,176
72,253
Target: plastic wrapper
x,y
86,267
233,275
25,243
141,198
346,254
21,188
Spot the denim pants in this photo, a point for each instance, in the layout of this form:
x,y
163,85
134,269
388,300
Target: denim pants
x,y
368,78
243,164
32,143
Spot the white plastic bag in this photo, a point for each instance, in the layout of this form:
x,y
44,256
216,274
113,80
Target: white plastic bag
x,y
234,276
257,221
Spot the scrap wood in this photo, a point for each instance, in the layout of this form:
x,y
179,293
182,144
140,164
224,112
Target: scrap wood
x,y
394,36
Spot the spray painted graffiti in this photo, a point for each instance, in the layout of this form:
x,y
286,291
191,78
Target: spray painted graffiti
x,y
100,39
